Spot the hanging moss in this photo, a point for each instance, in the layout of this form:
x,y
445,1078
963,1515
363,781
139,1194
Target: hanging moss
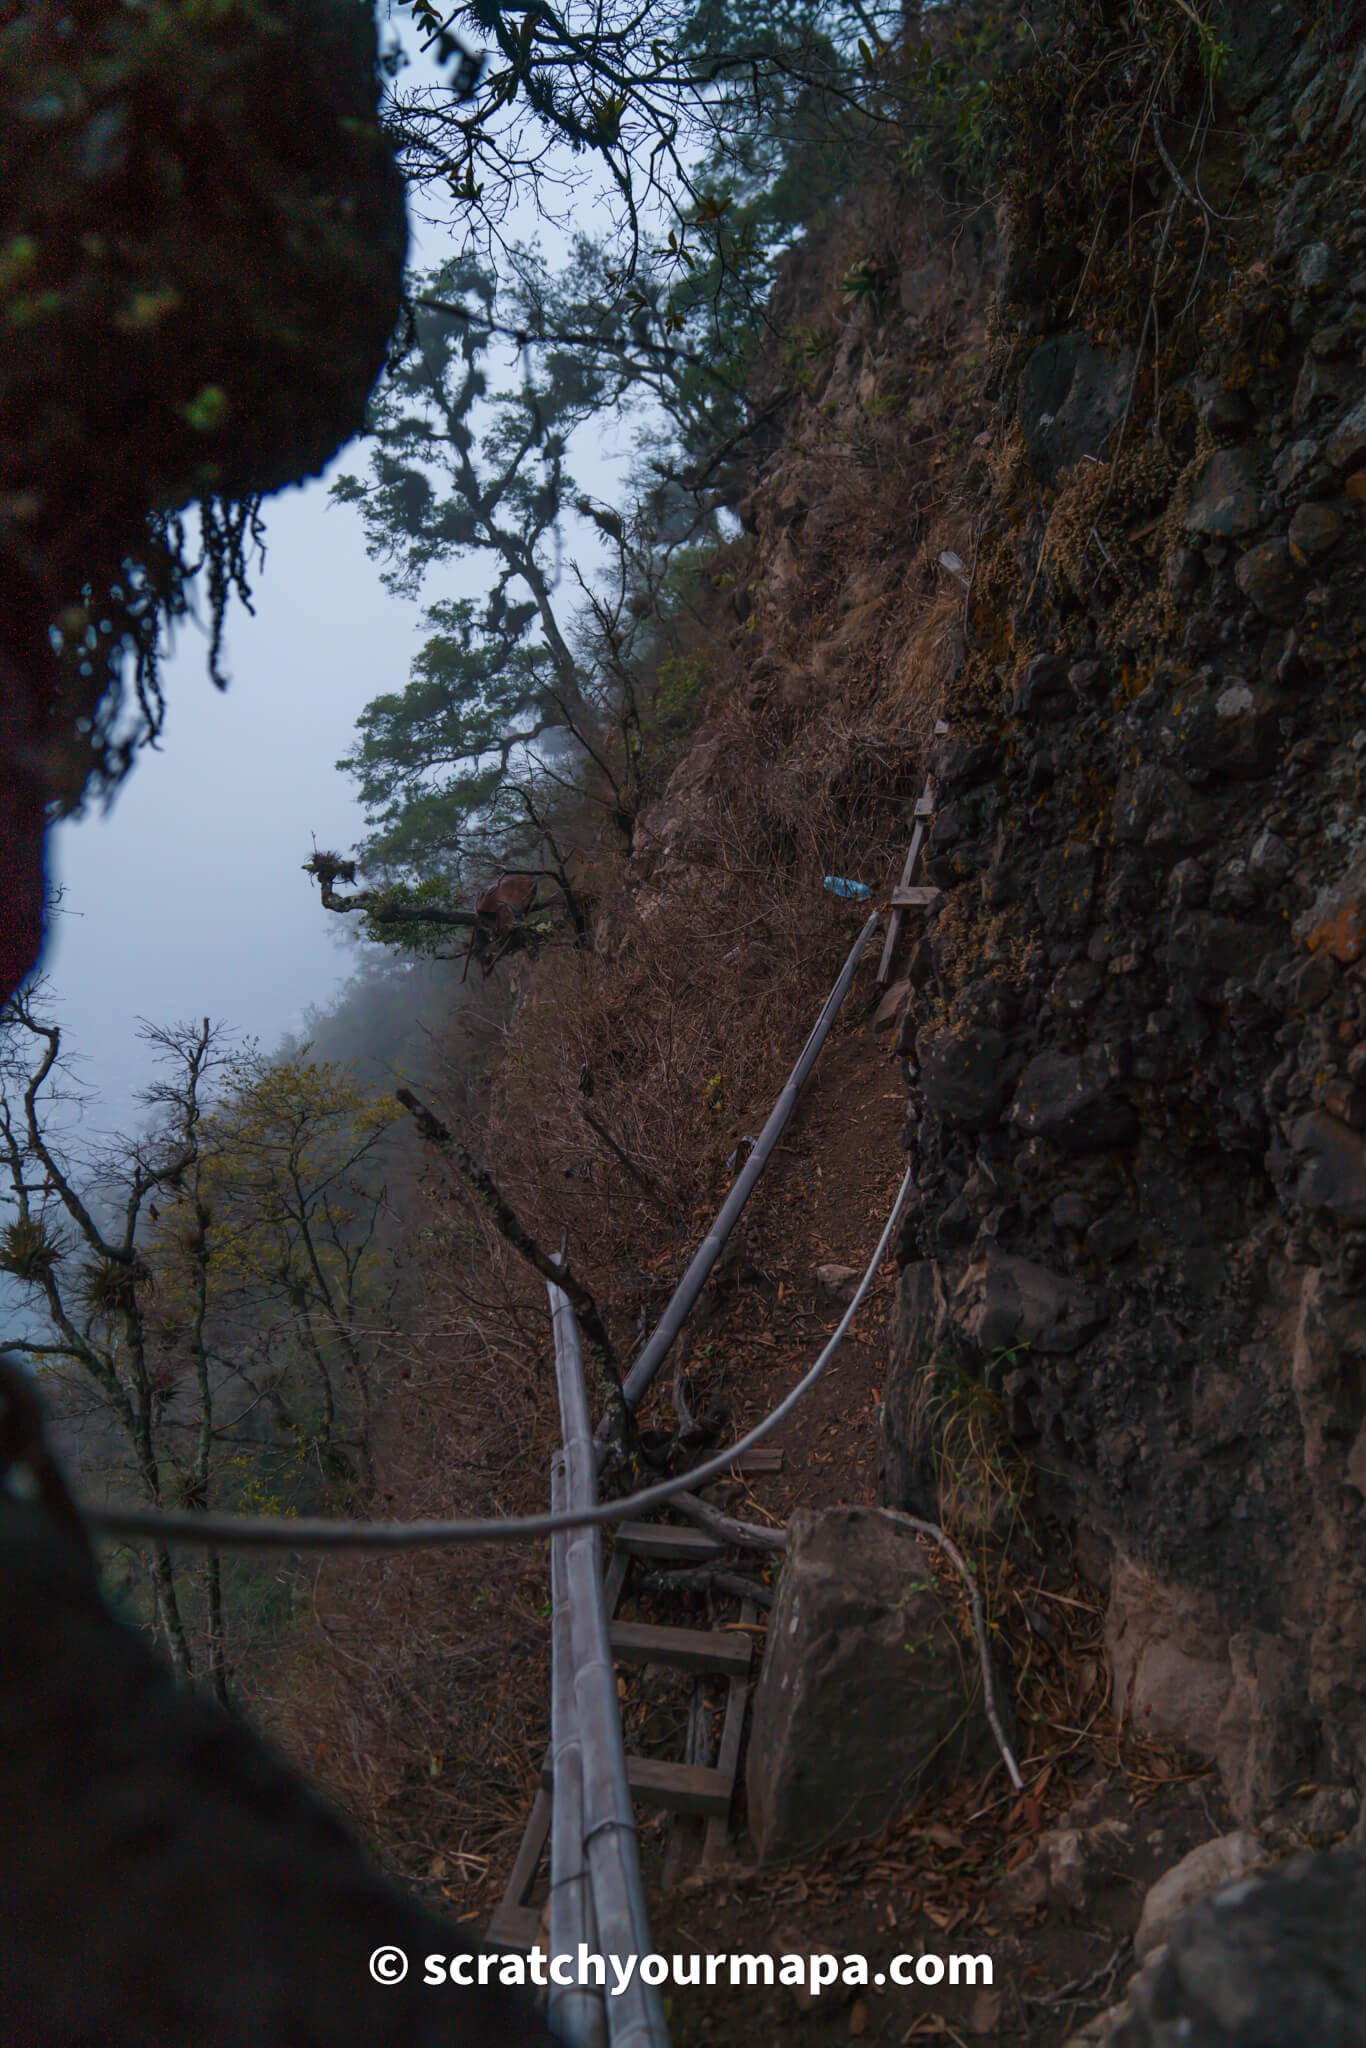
x,y
201,248
200,254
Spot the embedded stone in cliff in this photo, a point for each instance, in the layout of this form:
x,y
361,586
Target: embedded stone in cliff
x,y
1314,530
1204,953
959,763
1003,1301
1264,1738
1072,397
1333,1170
1230,729
1335,922
1245,730
1267,1959
1259,44
1320,379
1042,689
1270,860
861,1701
1169,1657
1065,887
1268,579
1346,445
1156,807
1225,502
967,1074
1070,1100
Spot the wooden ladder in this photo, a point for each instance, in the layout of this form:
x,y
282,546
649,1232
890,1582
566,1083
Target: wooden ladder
x,y
909,895
690,1791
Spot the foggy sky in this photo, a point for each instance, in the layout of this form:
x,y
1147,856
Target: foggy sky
x,y
187,899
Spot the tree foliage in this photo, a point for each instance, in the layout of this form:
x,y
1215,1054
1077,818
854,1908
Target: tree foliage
x,y
537,702
208,1293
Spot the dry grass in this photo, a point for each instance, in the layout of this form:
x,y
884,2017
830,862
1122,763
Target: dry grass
x,y
620,1085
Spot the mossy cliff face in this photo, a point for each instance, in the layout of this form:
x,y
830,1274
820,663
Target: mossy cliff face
x,y
1135,1027
201,244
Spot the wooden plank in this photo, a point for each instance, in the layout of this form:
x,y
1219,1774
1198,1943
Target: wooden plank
x,y
661,1539
918,897
523,1873
679,1788
894,922
614,1585
716,1841
515,1927
686,1649
676,1788
760,1459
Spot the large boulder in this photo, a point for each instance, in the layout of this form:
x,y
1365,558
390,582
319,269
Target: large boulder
x,y
861,1702
1073,395
1262,1962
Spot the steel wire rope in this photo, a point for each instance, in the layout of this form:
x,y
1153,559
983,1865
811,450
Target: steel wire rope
x,y
283,1532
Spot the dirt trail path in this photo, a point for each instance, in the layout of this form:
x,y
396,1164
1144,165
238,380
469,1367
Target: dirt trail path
x,y
823,1201
930,1882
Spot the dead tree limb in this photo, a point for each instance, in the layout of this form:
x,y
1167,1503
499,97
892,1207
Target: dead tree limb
x,y
646,1182
743,1535
979,1630
707,1578
509,1225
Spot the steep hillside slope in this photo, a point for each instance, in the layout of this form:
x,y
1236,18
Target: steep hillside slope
x,y
1081,474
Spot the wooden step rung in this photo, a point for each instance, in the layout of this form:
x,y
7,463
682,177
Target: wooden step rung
x,y
679,1788
919,896
534,1837
760,1459
662,1539
686,1649
515,1927
676,1788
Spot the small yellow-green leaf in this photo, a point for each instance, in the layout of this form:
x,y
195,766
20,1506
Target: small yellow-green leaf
x,y
207,410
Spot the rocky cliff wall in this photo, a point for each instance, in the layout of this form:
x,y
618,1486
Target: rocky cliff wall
x,y
1084,474
1134,1030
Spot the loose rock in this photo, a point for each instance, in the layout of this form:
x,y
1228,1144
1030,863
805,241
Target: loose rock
x,y
1205,1869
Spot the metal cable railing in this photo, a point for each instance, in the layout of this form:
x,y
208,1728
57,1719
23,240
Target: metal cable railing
x,y
595,1856
280,1532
